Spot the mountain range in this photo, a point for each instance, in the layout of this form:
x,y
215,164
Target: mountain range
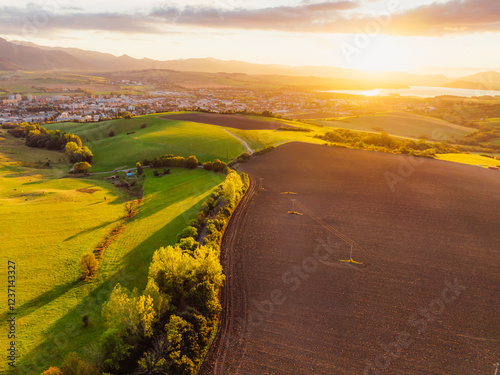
x,y
18,55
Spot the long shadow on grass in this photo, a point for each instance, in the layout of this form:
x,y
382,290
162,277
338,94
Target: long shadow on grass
x,y
68,333
88,230
45,298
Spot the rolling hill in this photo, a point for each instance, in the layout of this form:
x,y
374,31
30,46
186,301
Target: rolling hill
x,y
400,124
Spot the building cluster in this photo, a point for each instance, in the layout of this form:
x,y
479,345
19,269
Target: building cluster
x,y
17,108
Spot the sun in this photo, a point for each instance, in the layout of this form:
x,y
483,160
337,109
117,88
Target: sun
x,y
383,54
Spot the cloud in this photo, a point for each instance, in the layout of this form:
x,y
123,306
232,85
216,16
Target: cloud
x,y
36,21
452,17
436,19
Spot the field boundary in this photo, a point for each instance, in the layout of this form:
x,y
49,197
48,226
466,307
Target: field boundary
x,y
215,359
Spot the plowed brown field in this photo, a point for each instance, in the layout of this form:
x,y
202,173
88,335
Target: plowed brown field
x,y
426,299
231,121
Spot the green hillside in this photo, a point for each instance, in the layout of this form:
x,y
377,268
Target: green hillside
x,y
159,137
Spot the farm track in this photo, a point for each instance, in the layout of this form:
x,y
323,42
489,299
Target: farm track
x,y
229,338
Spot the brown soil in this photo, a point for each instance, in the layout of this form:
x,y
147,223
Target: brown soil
x,y
87,190
230,121
285,312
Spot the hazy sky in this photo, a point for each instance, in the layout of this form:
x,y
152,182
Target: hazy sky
x,y
368,34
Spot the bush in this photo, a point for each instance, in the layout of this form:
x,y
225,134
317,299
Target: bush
x,y
53,371
243,157
73,365
114,349
140,170
89,265
208,166
82,167
131,208
188,232
218,166
143,126
192,162
111,133
85,320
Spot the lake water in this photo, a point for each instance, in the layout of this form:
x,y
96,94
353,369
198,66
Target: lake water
x,y
419,91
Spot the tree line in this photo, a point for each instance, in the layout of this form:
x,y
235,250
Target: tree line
x,y
39,137
191,162
383,142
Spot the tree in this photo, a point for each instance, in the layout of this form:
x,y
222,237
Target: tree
x,y
131,208
208,166
82,167
130,313
192,162
189,232
140,170
188,244
151,364
71,148
89,265
218,166
73,365
53,371
114,349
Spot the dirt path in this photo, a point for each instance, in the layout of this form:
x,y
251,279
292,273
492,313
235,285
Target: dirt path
x,y
249,150
229,344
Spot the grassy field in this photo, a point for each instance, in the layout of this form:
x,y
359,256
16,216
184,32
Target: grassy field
x,y
494,122
160,137
400,124
52,221
469,159
258,139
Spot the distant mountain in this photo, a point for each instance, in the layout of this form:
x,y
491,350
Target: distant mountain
x,y
480,81
18,55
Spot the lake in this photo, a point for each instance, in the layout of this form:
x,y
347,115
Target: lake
x,y
419,91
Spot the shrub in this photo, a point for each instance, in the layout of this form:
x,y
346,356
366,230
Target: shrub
x,y
140,170
131,208
89,265
218,166
85,320
208,166
192,162
82,167
188,232
73,365
114,349
143,126
111,133
188,244
53,371
243,157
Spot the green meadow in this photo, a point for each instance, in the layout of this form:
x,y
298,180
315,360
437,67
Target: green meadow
x,y
159,137
50,221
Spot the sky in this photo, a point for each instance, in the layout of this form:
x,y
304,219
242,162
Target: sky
x,y
453,37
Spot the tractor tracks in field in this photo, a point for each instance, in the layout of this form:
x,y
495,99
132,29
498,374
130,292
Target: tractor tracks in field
x,y
228,347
